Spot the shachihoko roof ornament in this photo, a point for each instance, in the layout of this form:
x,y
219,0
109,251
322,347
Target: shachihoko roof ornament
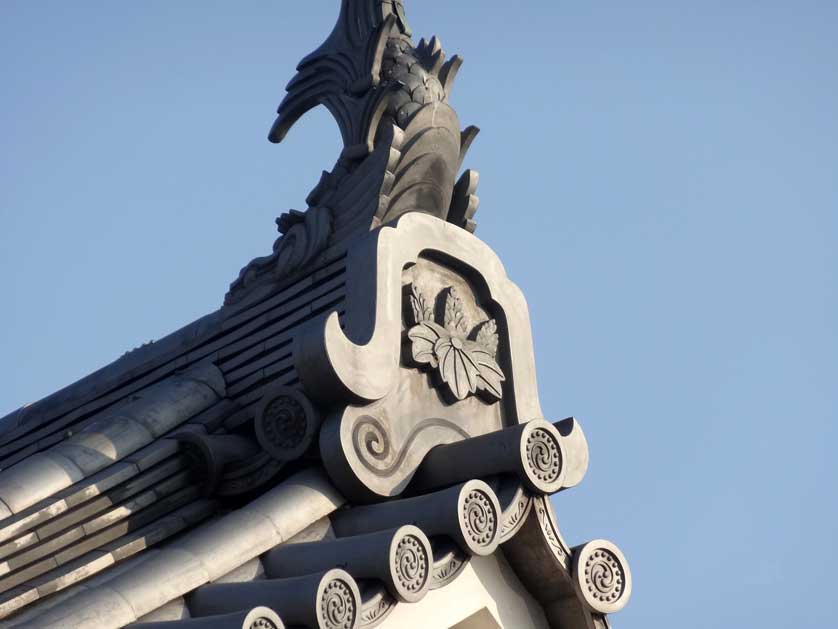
x,y
354,439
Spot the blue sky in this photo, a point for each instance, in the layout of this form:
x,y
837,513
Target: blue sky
x,y
658,177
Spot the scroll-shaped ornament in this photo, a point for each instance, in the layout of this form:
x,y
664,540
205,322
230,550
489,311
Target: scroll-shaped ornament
x,y
305,235
464,357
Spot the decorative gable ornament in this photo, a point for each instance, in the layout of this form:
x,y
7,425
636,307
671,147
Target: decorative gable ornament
x,y
358,425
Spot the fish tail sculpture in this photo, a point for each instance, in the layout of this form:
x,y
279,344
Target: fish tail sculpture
x,y
402,142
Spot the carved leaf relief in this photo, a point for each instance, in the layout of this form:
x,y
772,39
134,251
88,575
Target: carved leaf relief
x,y
465,366
487,336
455,321
421,310
425,337
489,372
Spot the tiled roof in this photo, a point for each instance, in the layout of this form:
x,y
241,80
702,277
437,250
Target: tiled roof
x,y
68,557
356,430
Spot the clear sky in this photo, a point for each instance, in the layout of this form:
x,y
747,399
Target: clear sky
x,y
658,177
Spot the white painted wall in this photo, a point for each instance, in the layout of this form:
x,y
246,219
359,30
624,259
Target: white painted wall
x,y
486,583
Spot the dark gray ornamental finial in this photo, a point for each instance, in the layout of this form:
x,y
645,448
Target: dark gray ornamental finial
x,y
403,146
342,73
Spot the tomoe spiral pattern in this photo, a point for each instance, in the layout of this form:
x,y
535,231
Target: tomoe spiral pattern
x,y
604,576
480,518
412,563
338,608
544,456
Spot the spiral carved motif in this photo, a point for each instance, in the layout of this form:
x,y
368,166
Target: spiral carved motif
x,y
544,456
604,576
412,564
371,439
284,422
480,518
376,451
338,607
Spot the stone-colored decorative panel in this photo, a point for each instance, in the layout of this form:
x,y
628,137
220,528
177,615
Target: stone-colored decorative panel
x,y
447,354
